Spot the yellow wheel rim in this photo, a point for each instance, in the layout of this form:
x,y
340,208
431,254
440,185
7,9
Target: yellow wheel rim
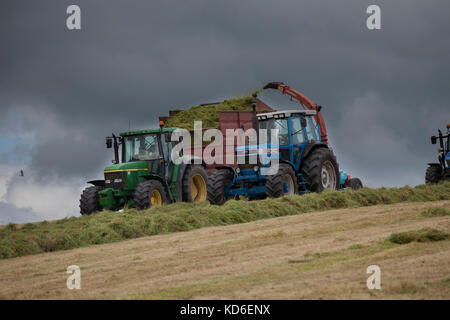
x,y
198,188
155,198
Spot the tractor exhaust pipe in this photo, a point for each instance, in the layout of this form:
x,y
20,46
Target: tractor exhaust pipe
x,y
116,149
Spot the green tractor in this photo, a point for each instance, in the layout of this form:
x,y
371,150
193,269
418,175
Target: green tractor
x,y
146,176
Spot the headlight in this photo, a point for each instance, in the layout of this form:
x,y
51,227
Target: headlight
x,y
117,180
107,181
238,170
255,168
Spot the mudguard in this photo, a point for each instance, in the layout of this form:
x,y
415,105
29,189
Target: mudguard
x,y
312,146
97,183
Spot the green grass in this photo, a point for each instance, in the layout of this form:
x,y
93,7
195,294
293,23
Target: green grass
x,y
434,212
108,227
356,246
209,115
422,235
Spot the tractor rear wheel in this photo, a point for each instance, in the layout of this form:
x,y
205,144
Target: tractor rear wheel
x,y
354,183
321,170
217,182
194,184
283,183
433,174
149,194
89,200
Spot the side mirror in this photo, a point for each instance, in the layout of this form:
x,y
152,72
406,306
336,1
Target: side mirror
x,y
433,139
303,122
108,142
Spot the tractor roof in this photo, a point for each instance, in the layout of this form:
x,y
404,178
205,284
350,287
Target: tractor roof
x,y
131,133
285,114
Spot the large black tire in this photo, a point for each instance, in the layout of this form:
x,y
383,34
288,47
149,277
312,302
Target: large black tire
x,y
433,174
354,183
217,182
195,184
89,200
275,183
312,170
149,193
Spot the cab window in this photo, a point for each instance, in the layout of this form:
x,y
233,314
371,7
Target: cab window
x,y
310,129
298,134
141,147
279,124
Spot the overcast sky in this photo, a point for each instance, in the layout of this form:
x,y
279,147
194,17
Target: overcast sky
x,y
384,92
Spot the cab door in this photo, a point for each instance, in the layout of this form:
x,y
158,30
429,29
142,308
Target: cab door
x,y
298,140
167,146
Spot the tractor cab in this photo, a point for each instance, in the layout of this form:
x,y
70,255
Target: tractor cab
x,y
143,152
296,129
293,129
153,147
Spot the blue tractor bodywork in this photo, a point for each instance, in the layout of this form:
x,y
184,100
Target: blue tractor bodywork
x,y
441,170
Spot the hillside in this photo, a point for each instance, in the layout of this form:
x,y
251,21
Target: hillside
x,y
107,226
313,255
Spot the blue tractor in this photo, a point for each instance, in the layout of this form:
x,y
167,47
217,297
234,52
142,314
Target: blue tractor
x,y
306,163
440,171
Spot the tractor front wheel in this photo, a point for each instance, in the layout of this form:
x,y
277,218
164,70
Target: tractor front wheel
x,y
283,183
433,174
321,170
89,200
194,184
217,182
149,194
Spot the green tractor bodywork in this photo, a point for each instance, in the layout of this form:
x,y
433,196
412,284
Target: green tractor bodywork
x,y
122,181
146,175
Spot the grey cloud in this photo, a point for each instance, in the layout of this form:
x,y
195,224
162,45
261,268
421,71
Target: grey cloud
x,y
12,214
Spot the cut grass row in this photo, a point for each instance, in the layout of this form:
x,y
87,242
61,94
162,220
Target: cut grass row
x,y
107,226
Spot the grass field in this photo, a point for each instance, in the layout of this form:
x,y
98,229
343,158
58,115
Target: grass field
x,y
108,227
313,255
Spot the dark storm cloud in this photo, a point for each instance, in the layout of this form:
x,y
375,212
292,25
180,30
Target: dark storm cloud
x,y
136,60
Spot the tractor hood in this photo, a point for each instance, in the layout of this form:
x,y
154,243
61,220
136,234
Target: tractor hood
x,y
125,175
265,148
266,151
128,166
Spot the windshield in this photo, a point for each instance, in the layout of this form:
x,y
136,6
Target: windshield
x,y
141,148
283,133
311,128
272,124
